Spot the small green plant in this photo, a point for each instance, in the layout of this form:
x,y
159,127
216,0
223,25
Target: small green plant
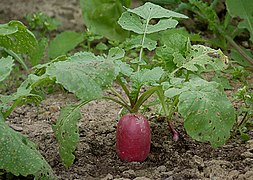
x,y
42,23
245,123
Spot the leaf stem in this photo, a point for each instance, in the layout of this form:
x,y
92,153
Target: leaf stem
x,y
118,95
144,97
173,72
118,102
162,101
173,107
17,57
143,41
175,134
125,90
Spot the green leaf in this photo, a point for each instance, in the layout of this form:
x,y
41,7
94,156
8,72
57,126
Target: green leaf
x,y
244,11
176,41
116,53
6,65
203,59
235,55
144,77
101,46
16,37
99,21
174,87
64,42
43,22
222,81
133,23
83,74
5,29
137,42
39,51
208,114
175,46
131,20
147,76
67,134
19,156
207,11
123,67
24,94
150,11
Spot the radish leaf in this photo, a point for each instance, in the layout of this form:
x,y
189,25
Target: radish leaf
x,y
83,74
63,43
16,37
19,156
202,58
150,11
145,77
66,133
132,19
208,114
136,42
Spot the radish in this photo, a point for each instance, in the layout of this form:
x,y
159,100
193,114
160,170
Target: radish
x,y
133,138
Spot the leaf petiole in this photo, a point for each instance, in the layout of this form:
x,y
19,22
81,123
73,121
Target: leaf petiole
x,y
118,102
144,97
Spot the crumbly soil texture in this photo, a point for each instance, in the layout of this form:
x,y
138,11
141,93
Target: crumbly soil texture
x,y
95,154
96,157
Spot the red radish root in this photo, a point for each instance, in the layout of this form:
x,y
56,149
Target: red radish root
x,y
133,138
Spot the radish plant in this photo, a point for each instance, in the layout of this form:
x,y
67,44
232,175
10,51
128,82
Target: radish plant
x,y
176,80
173,74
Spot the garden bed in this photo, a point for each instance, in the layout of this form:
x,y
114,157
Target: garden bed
x,y
96,156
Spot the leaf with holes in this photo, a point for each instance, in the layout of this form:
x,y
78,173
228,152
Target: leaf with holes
x,y
16,37
19,156
202,59
136,42
67,134
83,74
138,19
208,114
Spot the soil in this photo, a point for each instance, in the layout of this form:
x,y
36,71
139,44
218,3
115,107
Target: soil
x,y
95,155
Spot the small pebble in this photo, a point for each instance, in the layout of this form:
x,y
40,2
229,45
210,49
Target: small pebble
x,y
245,44
141,178
108,177
198,160
16,128
247,154
250,144
161,169
129,173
